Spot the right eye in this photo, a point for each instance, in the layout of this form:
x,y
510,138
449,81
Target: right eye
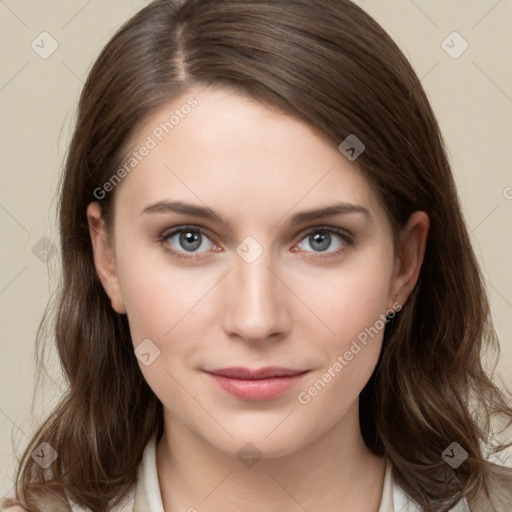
x,y
186,240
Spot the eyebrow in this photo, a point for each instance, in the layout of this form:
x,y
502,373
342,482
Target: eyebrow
x,y
204,212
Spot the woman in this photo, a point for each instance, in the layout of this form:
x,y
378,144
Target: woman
x,y
253,370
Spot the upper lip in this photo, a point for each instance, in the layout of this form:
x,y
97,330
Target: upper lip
x,y
260,373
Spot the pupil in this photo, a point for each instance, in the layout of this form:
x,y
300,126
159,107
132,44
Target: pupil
x,y
325,238
190,237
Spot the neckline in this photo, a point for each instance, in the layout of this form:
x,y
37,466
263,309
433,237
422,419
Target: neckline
x,y
147,496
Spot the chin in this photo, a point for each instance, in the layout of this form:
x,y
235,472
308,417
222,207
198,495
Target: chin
x,y
252,442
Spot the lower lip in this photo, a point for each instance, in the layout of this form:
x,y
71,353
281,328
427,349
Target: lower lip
x,y
257,389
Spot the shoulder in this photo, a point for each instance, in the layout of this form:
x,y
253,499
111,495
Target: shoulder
x,y
500,491
15,508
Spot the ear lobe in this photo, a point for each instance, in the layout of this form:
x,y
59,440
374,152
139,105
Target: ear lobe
x,y
410,258
104,259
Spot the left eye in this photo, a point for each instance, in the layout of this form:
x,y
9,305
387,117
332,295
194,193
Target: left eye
x,y
319,240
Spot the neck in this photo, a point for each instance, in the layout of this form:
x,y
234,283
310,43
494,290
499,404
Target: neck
x,y
334,473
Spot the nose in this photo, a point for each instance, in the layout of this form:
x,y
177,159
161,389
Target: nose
x,y
257,302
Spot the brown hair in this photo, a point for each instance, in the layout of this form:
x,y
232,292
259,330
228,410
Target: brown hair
x,y
330,64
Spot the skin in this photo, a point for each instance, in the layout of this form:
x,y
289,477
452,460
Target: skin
x,y
295,306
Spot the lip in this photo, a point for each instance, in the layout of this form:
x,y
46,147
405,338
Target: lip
x,y
260,384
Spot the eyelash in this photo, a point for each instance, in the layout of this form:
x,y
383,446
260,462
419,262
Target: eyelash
x,y
347,239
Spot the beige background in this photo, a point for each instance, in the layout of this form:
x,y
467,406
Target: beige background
x,y
471,95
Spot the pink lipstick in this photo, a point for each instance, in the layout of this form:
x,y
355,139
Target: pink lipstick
x,y
260,384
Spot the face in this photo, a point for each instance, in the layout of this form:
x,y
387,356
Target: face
x,y
218,262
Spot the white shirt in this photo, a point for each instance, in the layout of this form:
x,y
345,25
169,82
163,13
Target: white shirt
x,y
146,496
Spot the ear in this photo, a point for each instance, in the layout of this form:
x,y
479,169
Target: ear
x,y
408,261
104,259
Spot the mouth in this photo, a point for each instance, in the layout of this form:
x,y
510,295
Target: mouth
x,y
259,384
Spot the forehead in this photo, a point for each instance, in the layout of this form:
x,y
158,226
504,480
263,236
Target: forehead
x,y
224,149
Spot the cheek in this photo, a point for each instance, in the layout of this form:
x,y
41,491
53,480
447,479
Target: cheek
x,y
162,306
352,303
157,293
350,298
349,357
